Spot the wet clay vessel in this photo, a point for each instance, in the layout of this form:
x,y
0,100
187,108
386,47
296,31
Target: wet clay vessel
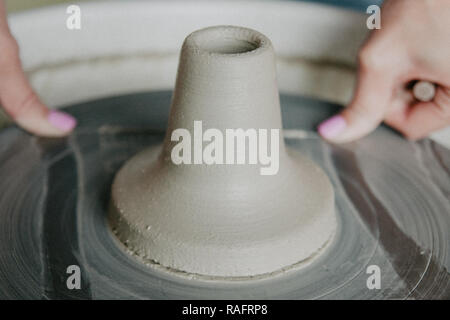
x,y
223,221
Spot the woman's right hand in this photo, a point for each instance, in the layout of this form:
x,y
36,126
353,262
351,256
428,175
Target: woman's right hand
x,y
412,44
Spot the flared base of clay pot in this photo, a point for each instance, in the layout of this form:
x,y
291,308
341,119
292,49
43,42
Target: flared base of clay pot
x,y
176,219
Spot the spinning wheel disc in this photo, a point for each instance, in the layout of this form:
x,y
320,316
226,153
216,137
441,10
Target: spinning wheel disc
x,y
392,200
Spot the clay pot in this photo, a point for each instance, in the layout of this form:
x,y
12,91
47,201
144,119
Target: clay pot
x,y
223,220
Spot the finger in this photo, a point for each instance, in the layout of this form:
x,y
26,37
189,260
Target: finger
x,y
365,112
422,118
3,20
20,101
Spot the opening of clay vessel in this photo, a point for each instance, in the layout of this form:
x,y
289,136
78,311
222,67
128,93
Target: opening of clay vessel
x,y
227,41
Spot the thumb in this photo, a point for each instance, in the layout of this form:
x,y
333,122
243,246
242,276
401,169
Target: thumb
x,y
365,112
23,105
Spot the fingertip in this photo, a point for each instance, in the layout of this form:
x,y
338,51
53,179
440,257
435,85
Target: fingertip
x,y
62,121
410,134
51,124
420,120
332,127
347,126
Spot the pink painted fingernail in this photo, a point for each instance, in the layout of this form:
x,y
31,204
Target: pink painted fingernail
x,y
332,127
62,120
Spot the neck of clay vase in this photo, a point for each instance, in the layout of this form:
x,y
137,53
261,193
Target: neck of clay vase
x,y
226,79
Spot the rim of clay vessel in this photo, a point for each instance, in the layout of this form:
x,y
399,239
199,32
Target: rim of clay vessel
x,y
228,41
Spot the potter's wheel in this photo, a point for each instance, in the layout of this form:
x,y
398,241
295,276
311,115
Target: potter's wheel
x,y
392,199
